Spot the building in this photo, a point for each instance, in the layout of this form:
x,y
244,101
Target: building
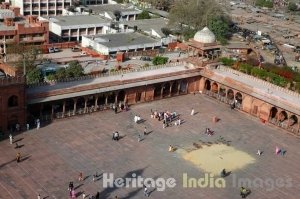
x,y
28,30
95,2
12,101
115,12
72,28
120,42
42,7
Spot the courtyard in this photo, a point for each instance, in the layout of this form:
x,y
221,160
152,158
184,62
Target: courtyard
x,y
55,154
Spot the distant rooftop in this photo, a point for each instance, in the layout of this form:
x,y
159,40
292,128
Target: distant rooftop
x,y
77,20
123,39
111,8
158,12
148,24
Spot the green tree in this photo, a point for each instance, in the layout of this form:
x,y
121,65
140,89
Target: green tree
x,y
158,60
34,76
219,26
166,31
61,74
144,15
74,69
292,7
264,3
227,61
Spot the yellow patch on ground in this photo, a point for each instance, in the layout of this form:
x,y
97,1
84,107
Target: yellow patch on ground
x,y
216,157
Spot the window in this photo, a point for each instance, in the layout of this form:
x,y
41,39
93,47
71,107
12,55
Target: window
x,y
13,101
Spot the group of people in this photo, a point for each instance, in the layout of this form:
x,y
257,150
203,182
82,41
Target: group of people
x,y
167,117
122,107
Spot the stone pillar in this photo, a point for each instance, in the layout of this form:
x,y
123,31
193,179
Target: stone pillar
x,y
78,34
187,87
106,98
85,105
171,85
116,99
96,100
178,89
75,104
69,33
52,111
161,92
64,109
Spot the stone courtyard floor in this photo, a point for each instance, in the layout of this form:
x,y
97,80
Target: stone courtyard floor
x,y
56,153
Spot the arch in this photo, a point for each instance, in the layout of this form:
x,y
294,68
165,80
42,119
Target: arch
x,y
239,97
157,91
174,88
12,101
273,112
183,87
207,85
293,120
222,91
121,96
166,89
283,116
230,94
214,87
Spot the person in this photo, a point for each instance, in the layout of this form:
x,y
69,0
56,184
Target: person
x,y
259,152
71,186
38,124
27,127
139,138
83,195
244,192
145,131
18,127
10,138
146,191
193,112
18,157
116,136
39,196
80,178
232,105
17,145
277,150
223,173
171,148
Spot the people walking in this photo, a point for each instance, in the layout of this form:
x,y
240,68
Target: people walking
x,y
10,138
38,124
80,177
18,157
193,112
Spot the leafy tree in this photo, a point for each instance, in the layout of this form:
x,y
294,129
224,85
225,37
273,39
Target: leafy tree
x,y
264,3
161,4
219,26
34,76
227,61
166,31
61,74
144,15
158,60
74,69
292,7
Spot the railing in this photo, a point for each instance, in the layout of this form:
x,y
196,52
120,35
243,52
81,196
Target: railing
x,y
273,86
113,73
12,80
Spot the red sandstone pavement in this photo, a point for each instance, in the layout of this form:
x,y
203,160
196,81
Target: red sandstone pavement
x,y
56,153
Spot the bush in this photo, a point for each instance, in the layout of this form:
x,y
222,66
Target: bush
x,y
245,68
34,76
61,74
158,60
144,15
227,61
51,77
74,69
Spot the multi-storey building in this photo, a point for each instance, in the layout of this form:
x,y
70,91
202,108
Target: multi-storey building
x,y
72,28
28,31
42,7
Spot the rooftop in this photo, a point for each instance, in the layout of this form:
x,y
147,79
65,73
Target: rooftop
x,y
111,8
123,39
77,20
155,24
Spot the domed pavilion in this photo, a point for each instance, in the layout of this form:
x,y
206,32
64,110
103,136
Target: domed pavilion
x,y
204,44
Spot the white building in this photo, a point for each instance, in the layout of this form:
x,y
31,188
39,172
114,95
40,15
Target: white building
x,y
120,42
42,7
72,28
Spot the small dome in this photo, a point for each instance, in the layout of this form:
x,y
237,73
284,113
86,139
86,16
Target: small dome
x,y
205,36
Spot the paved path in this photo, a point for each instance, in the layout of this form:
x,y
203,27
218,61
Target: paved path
x,y
55,154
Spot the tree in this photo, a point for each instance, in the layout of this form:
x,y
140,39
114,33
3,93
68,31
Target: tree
x,y
158,60
34,76
292,7
61,74
74,69
264,3
219,26
166,31
161,4
144,15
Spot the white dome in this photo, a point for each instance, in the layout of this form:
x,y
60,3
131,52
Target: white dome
x,y
205,36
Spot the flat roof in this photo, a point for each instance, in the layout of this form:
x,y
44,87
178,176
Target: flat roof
x,y
123,39
78,20
111,8
148,24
